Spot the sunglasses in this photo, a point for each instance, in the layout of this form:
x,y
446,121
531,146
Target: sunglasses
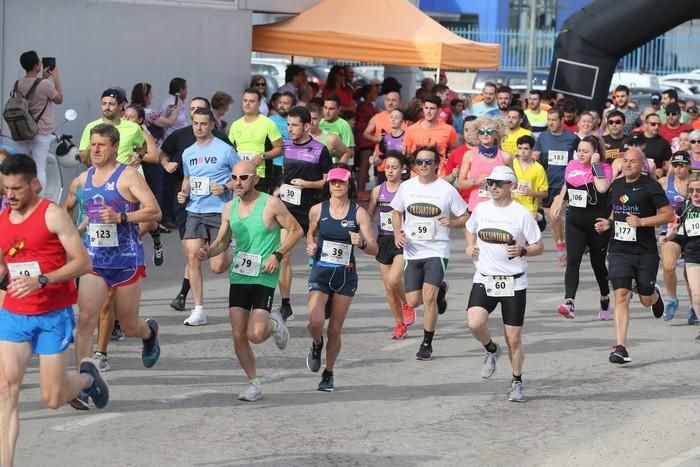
x,y
261,84
672,114
678,164
487,131
614,122
242,177
654,123
694,141
425,161
498,183
693,190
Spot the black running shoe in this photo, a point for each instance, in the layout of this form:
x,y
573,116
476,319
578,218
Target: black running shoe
x,y
151,348
80,402
326,384
286,312
658,307
158,254
619,355
441,297
117,334
178,303
425,352
98,392
313,359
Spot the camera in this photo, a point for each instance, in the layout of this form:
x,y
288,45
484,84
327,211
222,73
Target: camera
x,y
48,62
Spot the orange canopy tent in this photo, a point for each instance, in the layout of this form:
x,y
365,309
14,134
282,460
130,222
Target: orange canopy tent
x,y
392,32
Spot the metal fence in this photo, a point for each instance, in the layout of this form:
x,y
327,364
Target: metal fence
x,y
669,53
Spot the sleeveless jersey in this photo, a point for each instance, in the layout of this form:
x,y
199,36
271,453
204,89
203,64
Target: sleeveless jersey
x,y
390,142
479,167
129,251
694,165
384,210
254,243
30,249
674,197
338,231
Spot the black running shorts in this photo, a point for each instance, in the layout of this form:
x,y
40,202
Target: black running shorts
x,y
623,267
417,272
512,308
250,297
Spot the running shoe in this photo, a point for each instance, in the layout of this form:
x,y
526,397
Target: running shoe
x,y
561,254
409,314
425,352
604,315
80,402
670,309
163,229
517,392
252,393
117,334
326,384
313,359
285,310
489,366
178,303
697,339
400,331
101,361
567,309
197,317
151,347
98,391
442,297
158,254
619,355
692,317
658,307
281,336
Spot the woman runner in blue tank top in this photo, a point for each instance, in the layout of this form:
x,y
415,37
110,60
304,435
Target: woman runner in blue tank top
x,y
390,257
334,233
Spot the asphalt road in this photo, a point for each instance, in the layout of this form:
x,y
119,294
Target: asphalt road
x,y
388,408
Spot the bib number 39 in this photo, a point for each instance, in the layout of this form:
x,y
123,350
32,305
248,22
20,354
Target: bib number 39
x,y
336,253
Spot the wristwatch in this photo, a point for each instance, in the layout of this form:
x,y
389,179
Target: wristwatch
x,y
122,218
43,281
279,255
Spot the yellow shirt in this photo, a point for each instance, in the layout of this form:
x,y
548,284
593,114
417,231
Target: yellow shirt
x,y
535,177
510,144
130,138
249,138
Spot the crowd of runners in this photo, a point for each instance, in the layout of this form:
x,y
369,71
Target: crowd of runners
x,y
243,200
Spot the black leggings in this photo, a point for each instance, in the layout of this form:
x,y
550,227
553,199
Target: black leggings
x,y
579,234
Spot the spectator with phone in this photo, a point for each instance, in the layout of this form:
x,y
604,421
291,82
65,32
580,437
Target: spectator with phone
x,y
177,90
48,92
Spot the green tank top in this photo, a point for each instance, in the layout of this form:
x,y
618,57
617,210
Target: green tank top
x,y
254,245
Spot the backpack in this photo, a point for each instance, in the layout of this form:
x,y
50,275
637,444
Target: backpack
x,y
23,125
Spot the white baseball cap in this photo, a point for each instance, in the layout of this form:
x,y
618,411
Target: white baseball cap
x,y
503,172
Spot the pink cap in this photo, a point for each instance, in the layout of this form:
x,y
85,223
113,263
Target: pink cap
x,y
339,173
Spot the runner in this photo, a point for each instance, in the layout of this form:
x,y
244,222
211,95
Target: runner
x,y
500,233
40,249
335,226
207,186
335,145
253,219
117,198
587,180
426,201
4,202
390,257
675,186
532,180
639,204
306,164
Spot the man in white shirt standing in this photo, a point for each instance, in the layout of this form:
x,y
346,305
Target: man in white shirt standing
x,y
500,234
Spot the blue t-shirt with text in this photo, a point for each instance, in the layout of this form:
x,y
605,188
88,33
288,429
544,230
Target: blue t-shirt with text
x,y
213,162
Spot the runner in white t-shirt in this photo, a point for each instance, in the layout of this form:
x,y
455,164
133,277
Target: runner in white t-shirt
x,y
500,234
421,222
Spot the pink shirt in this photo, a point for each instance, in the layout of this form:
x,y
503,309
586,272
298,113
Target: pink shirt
x,y
577,174
481,165
44,92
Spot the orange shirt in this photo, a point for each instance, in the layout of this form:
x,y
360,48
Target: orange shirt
x,y
441,135
695,124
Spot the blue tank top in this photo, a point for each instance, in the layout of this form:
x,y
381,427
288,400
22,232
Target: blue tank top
x,y
336,230
384,209
673,196
129,252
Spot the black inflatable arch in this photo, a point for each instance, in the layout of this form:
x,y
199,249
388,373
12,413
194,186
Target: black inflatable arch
x,y
592,41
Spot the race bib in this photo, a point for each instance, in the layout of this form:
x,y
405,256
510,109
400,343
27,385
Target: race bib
x,y
578,198
521,188
484,192
290,194
385,221
625,232
336,253
199,186
692,227
422,230
246,156
499,286
247,264
28,269
103,235
560,158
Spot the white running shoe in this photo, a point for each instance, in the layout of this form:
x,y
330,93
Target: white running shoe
x,y
489,366
251,393
281,336
196,318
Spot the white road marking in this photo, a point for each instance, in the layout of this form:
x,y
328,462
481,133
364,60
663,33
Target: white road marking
x,y
186,395
681,458
86,421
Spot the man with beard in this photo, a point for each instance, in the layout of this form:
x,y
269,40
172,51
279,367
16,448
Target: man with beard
x,y
284,104
488,101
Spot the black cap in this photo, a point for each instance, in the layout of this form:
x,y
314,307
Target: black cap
x,y
680,156
115,93
636,139
692,109
655,98
673,108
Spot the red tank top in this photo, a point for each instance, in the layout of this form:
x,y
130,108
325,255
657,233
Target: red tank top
x,y
29,247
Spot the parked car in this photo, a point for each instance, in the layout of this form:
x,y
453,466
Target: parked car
x,y
275,70
634,80
682,88
514,79
686,78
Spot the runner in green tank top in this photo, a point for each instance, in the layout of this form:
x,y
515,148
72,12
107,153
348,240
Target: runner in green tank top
x,y
254,220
